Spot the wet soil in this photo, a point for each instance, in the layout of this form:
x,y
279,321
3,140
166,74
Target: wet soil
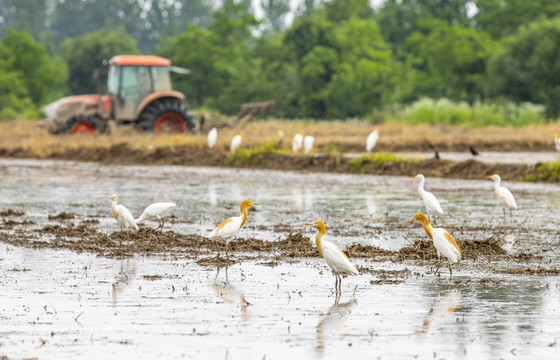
x,y
85,237
123,154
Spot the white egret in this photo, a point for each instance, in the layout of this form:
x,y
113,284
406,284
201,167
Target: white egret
x,y
557,141
236,142
505,196
297,142
122,215
335,258
231,226
308,141
212,137
372,140
430,201
156,210
443,242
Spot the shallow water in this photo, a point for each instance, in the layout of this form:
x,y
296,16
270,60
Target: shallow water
x,y
492,157
60,304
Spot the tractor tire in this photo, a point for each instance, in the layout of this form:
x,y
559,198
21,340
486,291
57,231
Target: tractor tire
x,y
82,124
167,117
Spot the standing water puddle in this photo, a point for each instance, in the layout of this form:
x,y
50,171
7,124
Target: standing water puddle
x,y
60,304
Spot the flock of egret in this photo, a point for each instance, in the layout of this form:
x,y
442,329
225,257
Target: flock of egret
x,y
299,141
336,259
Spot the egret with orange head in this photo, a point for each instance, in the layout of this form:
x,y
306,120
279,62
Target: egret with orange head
x,y
122,215
231,226
443,241
335,258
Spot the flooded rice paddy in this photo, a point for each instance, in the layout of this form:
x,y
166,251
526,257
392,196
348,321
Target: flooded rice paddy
x,y
57,303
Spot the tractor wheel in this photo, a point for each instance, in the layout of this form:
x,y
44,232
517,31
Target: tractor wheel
x,y
82,124
167,117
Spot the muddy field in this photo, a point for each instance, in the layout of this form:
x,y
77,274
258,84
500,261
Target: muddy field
x,y
75,286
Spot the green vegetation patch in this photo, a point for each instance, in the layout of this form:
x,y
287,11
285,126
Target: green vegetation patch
x,y
355,165
244,156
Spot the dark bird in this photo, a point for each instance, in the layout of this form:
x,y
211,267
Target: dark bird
x,y
474,152
436,155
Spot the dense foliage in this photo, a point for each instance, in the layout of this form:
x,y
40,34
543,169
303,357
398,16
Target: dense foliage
x,y
336,59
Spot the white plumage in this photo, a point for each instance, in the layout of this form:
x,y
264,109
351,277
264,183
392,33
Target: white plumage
x,y
122,215
505,196
232,225
308,143
557,142
236,142
335,258
212,137
443,241
297,142
430,201
156,210
372,140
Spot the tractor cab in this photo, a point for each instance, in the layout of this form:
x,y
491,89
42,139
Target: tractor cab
x,y
139,93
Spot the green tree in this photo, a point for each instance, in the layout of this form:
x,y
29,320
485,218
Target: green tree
x,y
14,99
502,18
448,61
214,54
398,19
344,67
41,77
84,54
527,68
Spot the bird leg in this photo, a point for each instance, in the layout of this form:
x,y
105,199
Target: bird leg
x,y
438,266
217,248
227,255
450,272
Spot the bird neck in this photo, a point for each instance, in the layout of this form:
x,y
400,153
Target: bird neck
x,y
497,184
115,212
421,185
243,214
427,227
318,239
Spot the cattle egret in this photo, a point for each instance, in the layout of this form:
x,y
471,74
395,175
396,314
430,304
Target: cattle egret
x,y
122,215
372,140
297,143
473,151
557,141
430,201
443,242
505,196
212,137
335,258
156,210
236,142
231,226
308,143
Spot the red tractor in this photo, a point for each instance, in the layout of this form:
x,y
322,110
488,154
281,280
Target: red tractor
x,y
139,94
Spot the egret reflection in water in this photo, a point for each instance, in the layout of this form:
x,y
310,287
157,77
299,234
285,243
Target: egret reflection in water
x,y
334,318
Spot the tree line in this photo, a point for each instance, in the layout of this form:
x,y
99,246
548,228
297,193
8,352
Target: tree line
x,y
337,59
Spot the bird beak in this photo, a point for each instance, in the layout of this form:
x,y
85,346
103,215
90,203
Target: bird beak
x,y
489,177
411,221
412,177
307,224
254,203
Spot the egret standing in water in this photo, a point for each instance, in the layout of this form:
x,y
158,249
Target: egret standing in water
x,y
122,215
308,141
430,201
297,142
443,242
231,226
156,210
505,196
335,258
372,140
236,142
212,137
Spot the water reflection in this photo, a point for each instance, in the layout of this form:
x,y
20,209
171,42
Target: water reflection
x,y
334,318
229,293
123,278
446,302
